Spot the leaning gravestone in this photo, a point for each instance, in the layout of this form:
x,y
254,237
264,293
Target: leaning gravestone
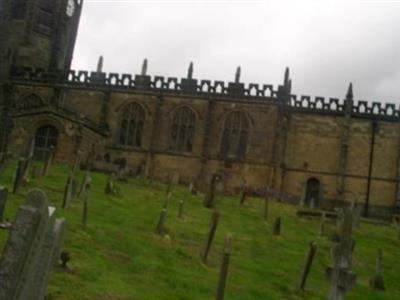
x,y
68,192
209,200
3,200
18,176
32,248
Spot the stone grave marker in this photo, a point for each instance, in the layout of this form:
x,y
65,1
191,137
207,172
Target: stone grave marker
x,y
307,266
191,187
243,195
68,192
86,195
181,207
160,229
322,224
376,281
48,162
29,254
29,161
223,273
210,236
111,188
3,201
277,226
18,175
209,200
87,180
340,276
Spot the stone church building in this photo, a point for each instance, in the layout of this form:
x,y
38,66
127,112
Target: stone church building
x,y
317,150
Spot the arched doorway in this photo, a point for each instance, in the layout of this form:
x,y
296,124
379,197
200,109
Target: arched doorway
x,y
45,138
312,192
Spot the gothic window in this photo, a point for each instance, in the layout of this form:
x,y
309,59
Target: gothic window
x,y
234,136
182,130
45,139
31,101
45,17
132,123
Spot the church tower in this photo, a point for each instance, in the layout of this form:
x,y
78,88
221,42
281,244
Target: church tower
x,y
38,34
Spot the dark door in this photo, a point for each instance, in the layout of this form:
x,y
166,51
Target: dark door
x,y
312,192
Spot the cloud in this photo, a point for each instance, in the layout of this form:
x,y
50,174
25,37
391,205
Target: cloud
x,y
327,44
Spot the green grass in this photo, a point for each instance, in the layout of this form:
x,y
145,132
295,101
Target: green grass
x,y
119,256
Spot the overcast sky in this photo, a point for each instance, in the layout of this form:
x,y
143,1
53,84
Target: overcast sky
x,y
326,44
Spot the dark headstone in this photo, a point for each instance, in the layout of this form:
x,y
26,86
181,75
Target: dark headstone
x,y
209,200
277,226
223,273
210,236
307,265
376,281
161,229
3,200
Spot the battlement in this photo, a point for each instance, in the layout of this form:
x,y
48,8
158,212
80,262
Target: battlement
x,y
209,88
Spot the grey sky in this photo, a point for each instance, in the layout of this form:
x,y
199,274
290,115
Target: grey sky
x,y
326,44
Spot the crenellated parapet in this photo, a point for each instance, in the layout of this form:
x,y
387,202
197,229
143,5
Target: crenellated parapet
x,y
208,88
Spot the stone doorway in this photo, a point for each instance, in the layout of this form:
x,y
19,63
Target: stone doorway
x,y
312,193
45,138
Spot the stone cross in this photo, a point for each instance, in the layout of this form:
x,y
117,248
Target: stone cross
x,y
340,276
307,265
3,200
223,273
160,229
209,200
210,236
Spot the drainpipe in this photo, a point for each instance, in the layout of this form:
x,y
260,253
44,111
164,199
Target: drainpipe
x,y
371,158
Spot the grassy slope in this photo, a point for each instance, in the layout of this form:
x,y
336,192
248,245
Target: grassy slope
x,y
120,257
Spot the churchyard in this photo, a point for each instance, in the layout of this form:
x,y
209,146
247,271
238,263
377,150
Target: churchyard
x,y
132,239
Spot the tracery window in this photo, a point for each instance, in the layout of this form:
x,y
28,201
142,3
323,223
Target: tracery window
x,y
132,123
182,130
234,136
45,140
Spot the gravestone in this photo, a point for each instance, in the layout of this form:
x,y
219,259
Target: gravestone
x,y
31,249
376,281
87,180
181,206
68,192
210,236
160,229
209,200
191,187
340,276
77,162
86,195
307,265
322,225
29,161
18,175
3,200
111,188
277,226
243,195
223,273
48,162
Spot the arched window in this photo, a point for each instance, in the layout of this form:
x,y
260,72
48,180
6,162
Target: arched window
x,y
234,136
182,130
31,101
45,140
132,123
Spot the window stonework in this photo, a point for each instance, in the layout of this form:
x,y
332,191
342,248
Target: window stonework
x,y
132,123
45,139
234,136
31,101
182,130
